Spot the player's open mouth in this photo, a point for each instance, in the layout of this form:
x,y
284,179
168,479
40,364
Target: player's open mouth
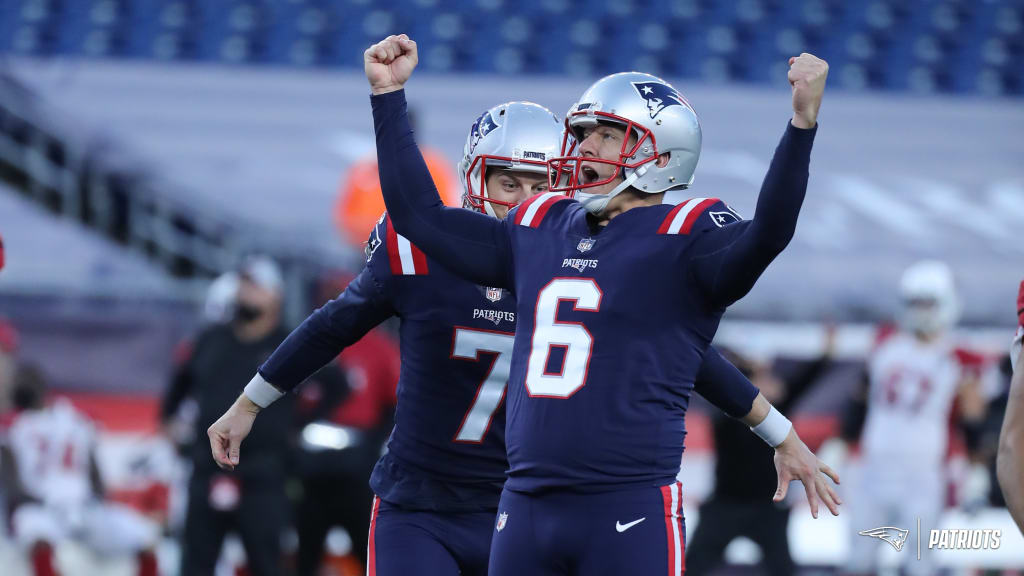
x,y
588,174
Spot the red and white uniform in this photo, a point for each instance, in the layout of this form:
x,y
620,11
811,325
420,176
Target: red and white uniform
x,y
52,448
913,386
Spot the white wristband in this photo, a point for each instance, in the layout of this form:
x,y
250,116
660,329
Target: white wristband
x,y
1015,349
774,428
261,392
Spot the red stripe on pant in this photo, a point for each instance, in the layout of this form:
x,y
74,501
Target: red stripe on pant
x,y
371,548
673,527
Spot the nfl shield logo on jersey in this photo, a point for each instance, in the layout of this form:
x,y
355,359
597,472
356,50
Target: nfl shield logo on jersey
x,y
585,244
493,294
502,518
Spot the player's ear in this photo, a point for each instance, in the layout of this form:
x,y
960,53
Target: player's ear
x,y
662,160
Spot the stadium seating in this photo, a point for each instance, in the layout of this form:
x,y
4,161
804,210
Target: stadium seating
x,y
924,46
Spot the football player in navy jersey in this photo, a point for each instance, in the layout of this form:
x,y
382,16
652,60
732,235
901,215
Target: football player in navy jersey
x,y
618,297
438,486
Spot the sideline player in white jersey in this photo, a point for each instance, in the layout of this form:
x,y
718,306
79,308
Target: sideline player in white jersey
x,y
914,377
54,487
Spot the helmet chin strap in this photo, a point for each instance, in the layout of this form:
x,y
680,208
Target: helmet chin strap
x,y
488,209
596,203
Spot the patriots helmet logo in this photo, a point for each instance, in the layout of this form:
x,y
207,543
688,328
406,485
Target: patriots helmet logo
x,y
482,127
894,536
659,96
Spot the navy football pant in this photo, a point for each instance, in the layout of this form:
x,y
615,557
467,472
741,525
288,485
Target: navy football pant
x,y
404,542
638,531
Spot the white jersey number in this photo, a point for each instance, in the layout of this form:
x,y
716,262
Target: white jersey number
x,y
573,338
468,345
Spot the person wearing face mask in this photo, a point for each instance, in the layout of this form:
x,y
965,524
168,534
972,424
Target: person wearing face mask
x,y
251,499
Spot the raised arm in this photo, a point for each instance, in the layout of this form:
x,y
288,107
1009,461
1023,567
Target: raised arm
x,y
472,245
729,260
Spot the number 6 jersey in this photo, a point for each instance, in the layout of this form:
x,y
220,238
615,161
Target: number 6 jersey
x,y
612,332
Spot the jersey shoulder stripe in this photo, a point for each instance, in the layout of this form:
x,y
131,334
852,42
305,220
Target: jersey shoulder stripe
x,y
531,213
405,258
680,220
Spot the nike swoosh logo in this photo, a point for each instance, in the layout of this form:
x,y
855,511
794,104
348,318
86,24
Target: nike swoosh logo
x,y
620,527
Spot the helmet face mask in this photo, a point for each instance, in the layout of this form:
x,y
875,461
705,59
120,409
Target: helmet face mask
x,y
929,300
650,110
476,196
570,164
513,137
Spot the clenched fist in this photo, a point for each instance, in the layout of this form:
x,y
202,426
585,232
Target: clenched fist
x,y
389,63
807,75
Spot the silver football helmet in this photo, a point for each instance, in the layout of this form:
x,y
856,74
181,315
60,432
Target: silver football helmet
x,y
512,136
930,303
650,109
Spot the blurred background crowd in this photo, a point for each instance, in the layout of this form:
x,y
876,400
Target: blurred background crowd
x,y
171,169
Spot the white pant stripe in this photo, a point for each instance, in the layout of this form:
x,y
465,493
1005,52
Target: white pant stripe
x,y
677,570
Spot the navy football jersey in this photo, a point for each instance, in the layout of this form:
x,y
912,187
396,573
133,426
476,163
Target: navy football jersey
x,y
456,346
613,321
447,449
613,330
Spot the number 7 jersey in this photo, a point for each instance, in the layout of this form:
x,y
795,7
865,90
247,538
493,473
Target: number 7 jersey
x,y
447,449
